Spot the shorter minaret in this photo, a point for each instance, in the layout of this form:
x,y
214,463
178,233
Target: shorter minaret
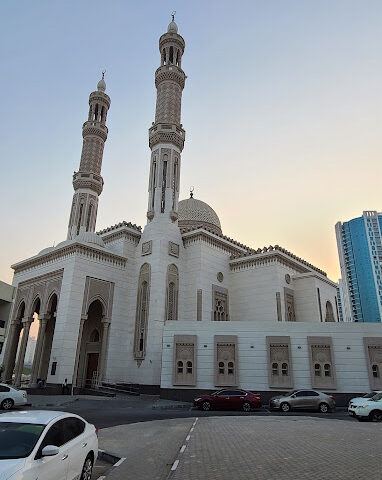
x,y
87,182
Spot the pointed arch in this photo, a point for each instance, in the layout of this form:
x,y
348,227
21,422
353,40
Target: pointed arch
x,y
329,316
172,290
142,312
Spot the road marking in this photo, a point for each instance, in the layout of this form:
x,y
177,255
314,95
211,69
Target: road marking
x,y
101,478
183,448
121,460
187,438
175,465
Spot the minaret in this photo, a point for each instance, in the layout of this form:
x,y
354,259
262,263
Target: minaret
x,y
166,135
87,182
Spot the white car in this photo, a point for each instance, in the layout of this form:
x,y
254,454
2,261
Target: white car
x,y
10,396
371,409
46,445
354,402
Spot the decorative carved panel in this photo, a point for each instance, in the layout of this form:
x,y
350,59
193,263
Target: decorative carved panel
x,y
280,371
173,249
184,365
322,366
142,312
226,360
220,305
290,313
147,247
373,351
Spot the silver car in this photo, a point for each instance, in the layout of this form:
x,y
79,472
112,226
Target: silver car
x,y
309,399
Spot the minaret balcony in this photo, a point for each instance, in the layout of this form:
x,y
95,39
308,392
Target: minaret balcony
x,y
170,72
88,180
167,133
95,128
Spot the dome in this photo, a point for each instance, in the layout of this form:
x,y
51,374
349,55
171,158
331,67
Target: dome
x,y
172,27
195,213
90,237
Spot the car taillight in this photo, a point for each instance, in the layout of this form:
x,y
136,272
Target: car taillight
x,y
256,397
331,397
96,430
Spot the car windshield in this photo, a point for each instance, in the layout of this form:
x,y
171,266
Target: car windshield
x,y
369,395
17,440
376,397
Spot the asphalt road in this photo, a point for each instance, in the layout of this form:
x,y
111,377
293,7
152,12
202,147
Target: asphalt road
x,y
126,410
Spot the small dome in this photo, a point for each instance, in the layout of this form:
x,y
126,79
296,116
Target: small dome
x,y
195,213
172,27
90,237
45,250
101,85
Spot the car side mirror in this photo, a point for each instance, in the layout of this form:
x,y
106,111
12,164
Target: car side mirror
x,y
49,451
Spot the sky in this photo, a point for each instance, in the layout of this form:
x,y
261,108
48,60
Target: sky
x,y
282,110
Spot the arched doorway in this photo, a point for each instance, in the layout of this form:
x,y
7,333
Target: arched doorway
x,y
44,342
90,350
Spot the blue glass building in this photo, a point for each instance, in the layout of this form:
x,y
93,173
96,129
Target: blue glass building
x,y
360,253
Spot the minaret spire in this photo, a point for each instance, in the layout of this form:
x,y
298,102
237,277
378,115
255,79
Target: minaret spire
x,y
166,136
87,182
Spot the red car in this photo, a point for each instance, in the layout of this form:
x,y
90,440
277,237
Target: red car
x,y
229,399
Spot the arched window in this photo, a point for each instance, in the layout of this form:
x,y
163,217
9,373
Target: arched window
x,y
275,368
143,298
180,366
317,370
329,317
80,218
284,369
96,112
230,368
375,370
172,292
164,57
171,58
94,336
90,209
189,367
177,57
327,370
221,368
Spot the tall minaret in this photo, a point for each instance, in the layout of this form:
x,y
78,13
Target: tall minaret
x,y
166,135
87,182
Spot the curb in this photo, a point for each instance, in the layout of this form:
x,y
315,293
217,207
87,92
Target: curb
x,y
114,461
51,404
171,407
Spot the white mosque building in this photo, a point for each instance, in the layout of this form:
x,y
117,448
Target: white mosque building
x,y
178,307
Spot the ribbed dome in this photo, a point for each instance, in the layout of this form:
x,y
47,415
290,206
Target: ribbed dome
x,y
195,213
90,237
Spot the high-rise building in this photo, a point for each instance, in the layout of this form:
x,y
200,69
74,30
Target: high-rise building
x,y
360,252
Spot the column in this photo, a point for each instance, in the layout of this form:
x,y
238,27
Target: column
x,y
79,341
102,361
11,351
27,322
43,319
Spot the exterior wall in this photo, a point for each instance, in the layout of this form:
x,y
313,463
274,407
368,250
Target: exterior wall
x,y
348,352
7,293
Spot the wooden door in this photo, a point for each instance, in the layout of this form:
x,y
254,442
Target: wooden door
x,y
91,368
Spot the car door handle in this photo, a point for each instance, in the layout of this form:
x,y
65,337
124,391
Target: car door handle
x,y
64,457
84,445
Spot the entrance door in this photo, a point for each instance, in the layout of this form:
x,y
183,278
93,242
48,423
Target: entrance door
x,y
91,368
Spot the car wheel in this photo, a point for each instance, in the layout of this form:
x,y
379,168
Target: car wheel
x,y
7,404
206,406
323,408
246,407
285,407
362,419
376,416
87,469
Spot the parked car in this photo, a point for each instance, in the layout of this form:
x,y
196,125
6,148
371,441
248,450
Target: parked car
x,y
229,399
371,409
46,445
10,396
307,399
354,402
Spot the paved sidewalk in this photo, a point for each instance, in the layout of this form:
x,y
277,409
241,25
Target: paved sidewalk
x,y
59,400
150,448
265,448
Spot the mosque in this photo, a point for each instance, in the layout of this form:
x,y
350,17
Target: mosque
x,y
178,307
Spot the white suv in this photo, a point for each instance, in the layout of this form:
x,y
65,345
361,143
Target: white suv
x,y
371,409
46,445
10,396
354,402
